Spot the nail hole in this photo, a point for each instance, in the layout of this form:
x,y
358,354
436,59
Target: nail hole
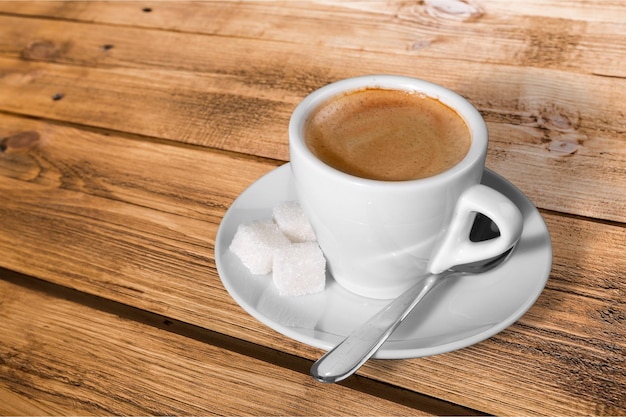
x,y
147,9
107,47
3,147
58,96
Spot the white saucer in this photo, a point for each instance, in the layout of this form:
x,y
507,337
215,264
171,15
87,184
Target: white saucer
x,y
457,314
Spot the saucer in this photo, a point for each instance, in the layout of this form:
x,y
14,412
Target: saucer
x,y
458,313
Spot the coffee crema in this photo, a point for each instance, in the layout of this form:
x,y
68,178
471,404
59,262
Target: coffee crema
x,y
389,135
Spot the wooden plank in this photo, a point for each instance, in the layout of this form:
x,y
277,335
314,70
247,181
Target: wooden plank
x,y
577,36
78,355
103,219
188,14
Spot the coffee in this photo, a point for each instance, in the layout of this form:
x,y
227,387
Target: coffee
x,y
390,135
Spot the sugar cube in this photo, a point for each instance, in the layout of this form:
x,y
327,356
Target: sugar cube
x,y
255,244
293,222
299,269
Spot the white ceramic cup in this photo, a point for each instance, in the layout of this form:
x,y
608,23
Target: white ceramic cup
x,y
380,237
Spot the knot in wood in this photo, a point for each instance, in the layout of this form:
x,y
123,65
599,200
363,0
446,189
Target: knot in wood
x,y
22,141
462,10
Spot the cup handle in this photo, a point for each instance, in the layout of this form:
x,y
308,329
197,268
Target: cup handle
x,y
456,248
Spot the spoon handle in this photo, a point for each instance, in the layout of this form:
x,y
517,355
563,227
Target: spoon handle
x,y
348,356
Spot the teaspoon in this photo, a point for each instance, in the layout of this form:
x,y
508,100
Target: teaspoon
x,y
349,355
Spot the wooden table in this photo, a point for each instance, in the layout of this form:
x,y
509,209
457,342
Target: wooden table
x,y
128,129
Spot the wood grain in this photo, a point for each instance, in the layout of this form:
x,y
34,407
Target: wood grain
x,y
121,229
56,360
573,35
228,93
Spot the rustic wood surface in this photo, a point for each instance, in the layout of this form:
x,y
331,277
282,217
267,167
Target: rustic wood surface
x,y
127,130
64,359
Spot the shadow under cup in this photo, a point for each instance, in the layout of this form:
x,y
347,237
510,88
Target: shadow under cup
x,y
378,236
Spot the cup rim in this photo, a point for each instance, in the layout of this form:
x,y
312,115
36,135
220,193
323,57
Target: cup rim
x,y
465,110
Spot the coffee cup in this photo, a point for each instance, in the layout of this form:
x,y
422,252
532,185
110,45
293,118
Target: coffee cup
x,y
388,171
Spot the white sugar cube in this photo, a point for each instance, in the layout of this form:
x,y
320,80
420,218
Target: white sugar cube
x,y
255,244
299,269
293,222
